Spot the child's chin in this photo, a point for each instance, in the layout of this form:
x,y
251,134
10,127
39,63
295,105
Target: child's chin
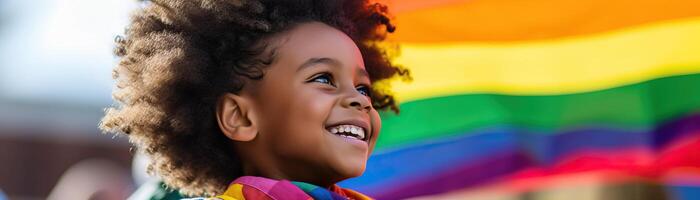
x,y
350,170
348,165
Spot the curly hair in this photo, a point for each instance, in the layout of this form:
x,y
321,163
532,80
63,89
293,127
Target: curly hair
x,y
178,56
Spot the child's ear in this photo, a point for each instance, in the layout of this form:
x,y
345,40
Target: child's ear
x,y
232,113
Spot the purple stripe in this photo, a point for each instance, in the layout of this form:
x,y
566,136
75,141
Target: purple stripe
x,y
471,174
676,128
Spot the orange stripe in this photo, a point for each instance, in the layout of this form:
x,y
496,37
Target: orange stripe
x,y
506,20
400,6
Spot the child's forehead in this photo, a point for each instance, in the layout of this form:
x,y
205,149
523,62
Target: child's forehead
x,y
317,42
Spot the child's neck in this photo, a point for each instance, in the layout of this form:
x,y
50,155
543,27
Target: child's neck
x,y
277,174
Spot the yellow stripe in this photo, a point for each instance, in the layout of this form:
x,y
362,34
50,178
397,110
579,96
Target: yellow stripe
x,y
233,192
223,197
552,66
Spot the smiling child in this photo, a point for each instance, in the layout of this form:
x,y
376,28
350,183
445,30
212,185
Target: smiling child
x,y
254,99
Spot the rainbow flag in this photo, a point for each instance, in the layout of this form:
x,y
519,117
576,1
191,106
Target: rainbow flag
x,y
542,99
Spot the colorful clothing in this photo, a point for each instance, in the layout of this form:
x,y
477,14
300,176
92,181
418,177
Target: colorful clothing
x,y
250,187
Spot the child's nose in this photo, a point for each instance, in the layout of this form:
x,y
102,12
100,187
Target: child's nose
x,y
354,99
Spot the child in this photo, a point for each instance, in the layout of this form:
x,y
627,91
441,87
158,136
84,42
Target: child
x,y
254,99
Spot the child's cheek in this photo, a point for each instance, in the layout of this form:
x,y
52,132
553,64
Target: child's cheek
x,y
376,127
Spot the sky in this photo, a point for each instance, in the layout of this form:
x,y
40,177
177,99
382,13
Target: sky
x,y
60,51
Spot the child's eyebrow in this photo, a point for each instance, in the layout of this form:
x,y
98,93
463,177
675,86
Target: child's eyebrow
x,y
313,61
329,61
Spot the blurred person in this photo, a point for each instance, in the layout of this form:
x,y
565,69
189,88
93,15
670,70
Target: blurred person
x,y
93,179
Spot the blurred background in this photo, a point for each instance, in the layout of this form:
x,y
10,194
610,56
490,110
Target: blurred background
x,y
55,80
511,99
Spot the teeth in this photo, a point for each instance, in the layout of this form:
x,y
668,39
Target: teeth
x,y
355,131
361,133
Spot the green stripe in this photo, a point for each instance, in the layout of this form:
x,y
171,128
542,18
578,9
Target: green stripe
x,y
633,106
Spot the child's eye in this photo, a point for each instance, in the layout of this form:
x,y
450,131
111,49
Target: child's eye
x,y
323,78
363,89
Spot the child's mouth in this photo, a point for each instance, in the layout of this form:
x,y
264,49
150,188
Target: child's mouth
x,y
348,131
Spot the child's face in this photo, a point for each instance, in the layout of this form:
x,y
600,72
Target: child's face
x,y
316,86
